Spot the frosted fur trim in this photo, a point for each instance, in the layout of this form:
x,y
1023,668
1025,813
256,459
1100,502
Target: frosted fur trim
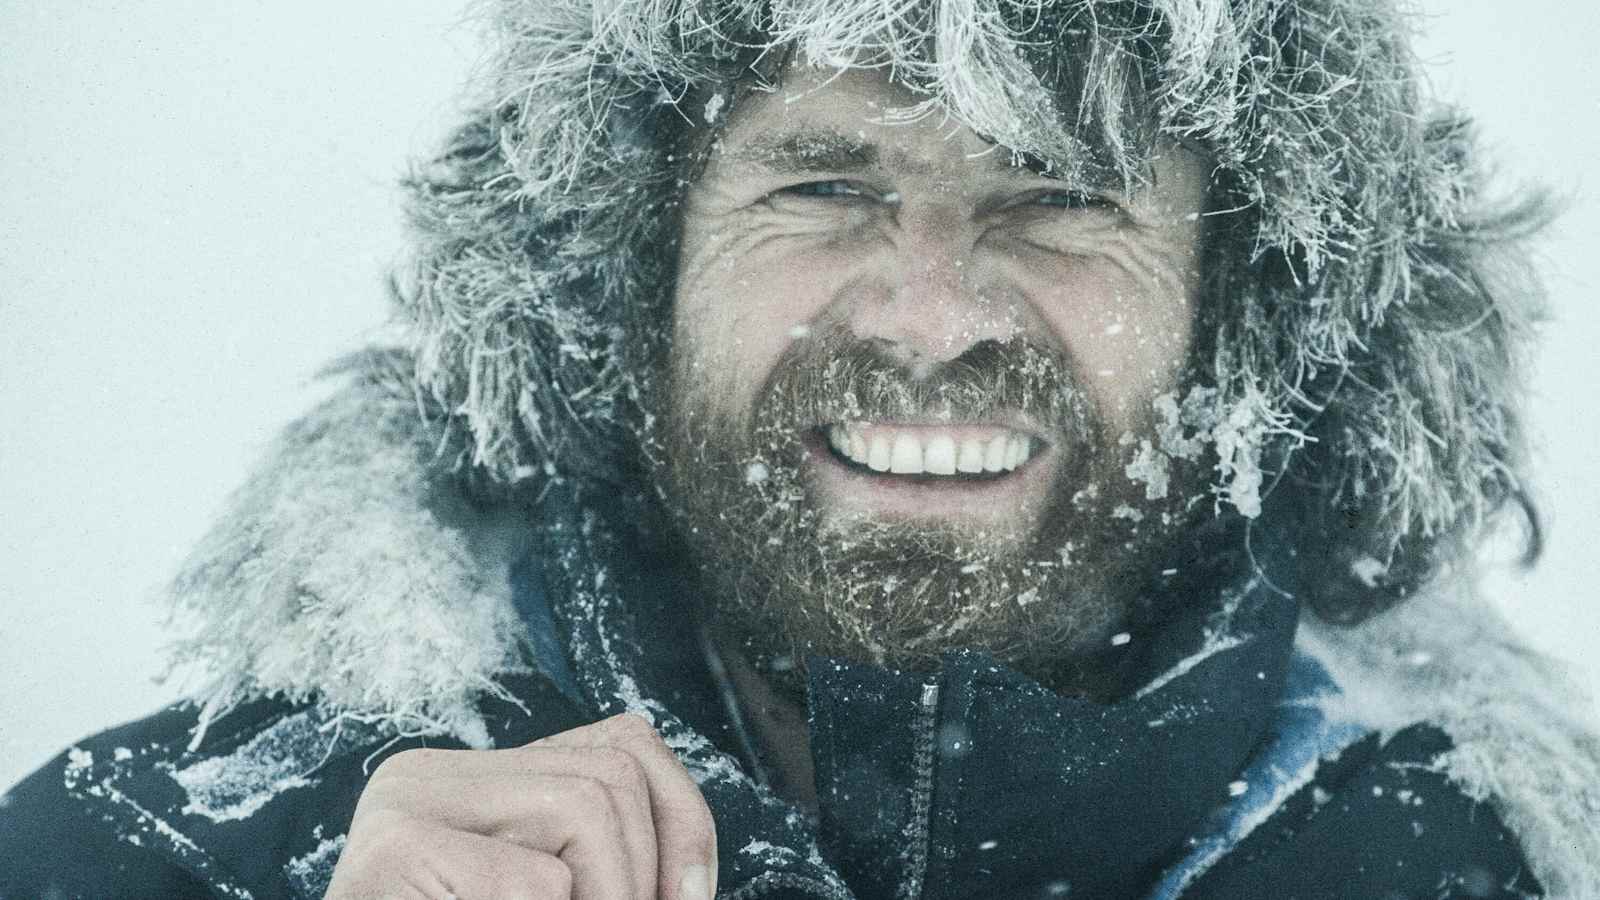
x,y
1525,732
347,571
1366,301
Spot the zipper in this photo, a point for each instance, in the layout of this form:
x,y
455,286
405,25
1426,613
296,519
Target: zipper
x,y
917,830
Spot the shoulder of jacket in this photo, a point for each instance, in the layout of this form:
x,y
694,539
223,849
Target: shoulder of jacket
x,y
355,570
1522,731
256,806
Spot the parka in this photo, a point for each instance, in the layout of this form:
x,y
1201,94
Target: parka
x,y
1260,754
444,552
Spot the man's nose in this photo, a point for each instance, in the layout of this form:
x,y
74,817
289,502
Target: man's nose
x,y
930,297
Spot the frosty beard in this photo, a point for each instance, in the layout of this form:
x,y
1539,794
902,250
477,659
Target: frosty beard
x,y
785,580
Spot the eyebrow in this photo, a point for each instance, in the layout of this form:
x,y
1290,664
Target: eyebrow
x,y
809,149
813,149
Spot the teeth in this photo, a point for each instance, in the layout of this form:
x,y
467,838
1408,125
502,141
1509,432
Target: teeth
x,y
994,455
858,447
939,456
917,451
838,439
878,454
1017,452
971,458
907,455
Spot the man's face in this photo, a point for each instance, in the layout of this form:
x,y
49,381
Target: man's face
x,y
907,377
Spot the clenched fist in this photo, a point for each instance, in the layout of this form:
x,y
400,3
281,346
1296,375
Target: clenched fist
x,y
600,812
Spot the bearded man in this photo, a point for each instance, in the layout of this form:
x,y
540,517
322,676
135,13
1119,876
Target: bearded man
x,y
862,450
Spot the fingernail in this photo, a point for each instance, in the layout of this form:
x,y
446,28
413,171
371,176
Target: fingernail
x,y
696,883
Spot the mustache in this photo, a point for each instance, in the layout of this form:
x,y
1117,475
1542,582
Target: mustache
x,y
839,377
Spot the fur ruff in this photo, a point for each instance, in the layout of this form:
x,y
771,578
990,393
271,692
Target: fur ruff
x,y
353,572
1370,306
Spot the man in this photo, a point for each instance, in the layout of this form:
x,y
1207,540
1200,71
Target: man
x,y
871,450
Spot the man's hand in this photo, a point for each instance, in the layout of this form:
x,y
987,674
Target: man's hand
x,y
600,812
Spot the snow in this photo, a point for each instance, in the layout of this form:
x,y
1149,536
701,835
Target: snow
x,y
713,108
312,872
280,758
1368,570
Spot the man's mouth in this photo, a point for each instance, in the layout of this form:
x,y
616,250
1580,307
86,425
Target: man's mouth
x,y
965,452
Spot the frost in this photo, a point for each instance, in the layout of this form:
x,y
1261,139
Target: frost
x,y
1218,638
1150,466
1238,788
121,754
78,760
311,873
1120,638
756,472
1213,645
713,108
233,787
1368,570
1124,511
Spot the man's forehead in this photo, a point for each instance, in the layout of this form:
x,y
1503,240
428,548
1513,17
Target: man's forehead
x,y
832,120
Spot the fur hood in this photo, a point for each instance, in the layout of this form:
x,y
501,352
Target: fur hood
x,y
355,572
1366,308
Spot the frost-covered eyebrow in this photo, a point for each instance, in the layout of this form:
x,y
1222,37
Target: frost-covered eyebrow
x,y
808,150
816,149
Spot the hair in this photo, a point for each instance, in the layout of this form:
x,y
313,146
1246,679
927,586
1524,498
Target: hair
x,y
1367,304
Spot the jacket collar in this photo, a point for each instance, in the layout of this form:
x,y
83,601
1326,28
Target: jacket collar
x,y
952,784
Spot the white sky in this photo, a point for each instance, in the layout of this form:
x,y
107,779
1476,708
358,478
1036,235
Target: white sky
x,y
197,207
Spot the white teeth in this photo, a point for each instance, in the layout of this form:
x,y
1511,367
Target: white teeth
x,y
858,447
971,458
1016,452
878,454
907,458
837,439
994,455
939,457
904,452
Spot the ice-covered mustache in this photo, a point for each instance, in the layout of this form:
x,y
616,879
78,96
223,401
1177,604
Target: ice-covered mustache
x,y
833,379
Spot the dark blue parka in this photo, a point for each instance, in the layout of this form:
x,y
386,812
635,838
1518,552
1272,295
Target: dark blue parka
x,y
1220,773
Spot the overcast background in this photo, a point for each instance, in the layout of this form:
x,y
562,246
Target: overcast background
x,y
197,207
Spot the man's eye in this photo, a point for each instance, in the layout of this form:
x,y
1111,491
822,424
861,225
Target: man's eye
x,y
1073,200
824,189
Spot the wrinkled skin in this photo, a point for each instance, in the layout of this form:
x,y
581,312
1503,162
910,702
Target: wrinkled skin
x,y
836,269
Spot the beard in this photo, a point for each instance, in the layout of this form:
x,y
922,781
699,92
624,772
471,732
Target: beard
x,y
787,577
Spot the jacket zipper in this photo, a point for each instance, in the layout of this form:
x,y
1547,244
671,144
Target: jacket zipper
x,y
917,831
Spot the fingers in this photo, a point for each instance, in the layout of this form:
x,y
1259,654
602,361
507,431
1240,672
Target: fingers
x,y
411,858
609,802
685,833
580,807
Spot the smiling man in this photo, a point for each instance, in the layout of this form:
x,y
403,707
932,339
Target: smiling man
x,y
945,384
861,450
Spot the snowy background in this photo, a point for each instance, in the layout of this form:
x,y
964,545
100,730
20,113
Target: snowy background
x,y
197,206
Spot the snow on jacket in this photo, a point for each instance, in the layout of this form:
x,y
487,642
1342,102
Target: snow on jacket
x,y
357,600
